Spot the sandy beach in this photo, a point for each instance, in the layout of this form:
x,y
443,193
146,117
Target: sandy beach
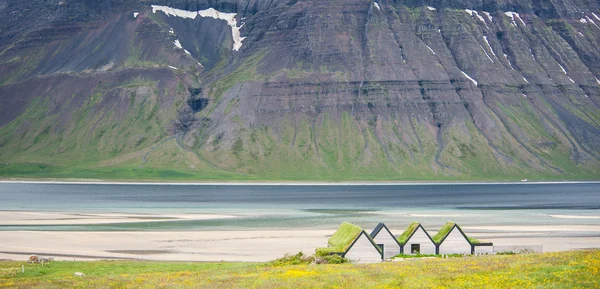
x,y
14,218
229,245
246,246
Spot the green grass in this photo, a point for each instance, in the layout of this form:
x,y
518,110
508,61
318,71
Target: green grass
x,y
576,269
341,239
474,241
411,228
444,230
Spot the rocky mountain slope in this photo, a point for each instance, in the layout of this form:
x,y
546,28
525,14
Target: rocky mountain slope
x,y
300,89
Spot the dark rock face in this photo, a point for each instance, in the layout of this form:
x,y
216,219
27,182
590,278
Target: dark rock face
x,y
344,89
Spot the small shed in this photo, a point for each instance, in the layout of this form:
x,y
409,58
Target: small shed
x,y
352,242
416,240
382,235
483,248
451,239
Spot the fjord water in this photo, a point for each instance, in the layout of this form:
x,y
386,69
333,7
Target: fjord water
x,y
312,206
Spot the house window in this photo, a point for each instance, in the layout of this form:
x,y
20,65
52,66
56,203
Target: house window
x,y
415,248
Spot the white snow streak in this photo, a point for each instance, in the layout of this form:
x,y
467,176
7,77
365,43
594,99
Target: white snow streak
x,y
489,16
565,72
597,81
470,78
580,33
211,13
187,52
514,15
135,14
508,60
377,6
177,43
489,46
592,21
563,69
474,13
525,95
431,8
486,54
172,31
525,79
430,49
595,16
173,67
582,20
531,51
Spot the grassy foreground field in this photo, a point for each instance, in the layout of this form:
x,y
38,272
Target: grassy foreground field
x,y
576,269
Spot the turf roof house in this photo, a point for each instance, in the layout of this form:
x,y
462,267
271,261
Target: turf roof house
x,y
415,240
382,235
353,243
451,239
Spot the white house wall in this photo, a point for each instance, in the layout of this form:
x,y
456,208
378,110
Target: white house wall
x,y
390,246
363,251
419,237
483,250
455,243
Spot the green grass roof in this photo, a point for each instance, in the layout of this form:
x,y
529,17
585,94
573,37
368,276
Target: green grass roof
x,y
474,241
409,231
444,230
342,239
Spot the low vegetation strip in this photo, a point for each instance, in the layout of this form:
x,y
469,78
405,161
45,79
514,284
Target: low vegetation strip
x,y
575,269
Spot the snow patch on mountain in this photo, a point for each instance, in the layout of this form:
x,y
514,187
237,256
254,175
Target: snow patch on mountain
x,y
486,54
177,44
489,16
430,49
470,78
513,16
211,13
489,46
474,13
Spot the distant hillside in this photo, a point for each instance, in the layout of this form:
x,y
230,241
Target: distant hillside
x,y
300,89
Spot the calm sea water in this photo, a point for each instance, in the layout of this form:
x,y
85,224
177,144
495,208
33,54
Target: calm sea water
x,y
313,206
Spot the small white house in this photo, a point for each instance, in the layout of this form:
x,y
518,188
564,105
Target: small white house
x,y
415,240
363,250
353,243
452,240
383,236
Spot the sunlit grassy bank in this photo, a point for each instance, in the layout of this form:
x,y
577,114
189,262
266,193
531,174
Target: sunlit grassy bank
x,y
578,269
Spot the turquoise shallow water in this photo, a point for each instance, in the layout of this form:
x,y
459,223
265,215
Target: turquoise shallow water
x,y
311,206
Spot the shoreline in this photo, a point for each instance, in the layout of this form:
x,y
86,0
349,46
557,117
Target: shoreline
x,y
214,246
285,183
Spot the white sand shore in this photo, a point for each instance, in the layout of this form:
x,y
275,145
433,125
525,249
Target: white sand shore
x,y
250,246
15,218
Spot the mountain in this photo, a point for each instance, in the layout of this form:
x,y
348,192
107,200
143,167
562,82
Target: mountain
x,y
300,89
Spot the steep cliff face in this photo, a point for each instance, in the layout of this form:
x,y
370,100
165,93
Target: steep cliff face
x,y
345,89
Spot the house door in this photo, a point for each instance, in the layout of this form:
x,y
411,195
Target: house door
x,y
415,248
